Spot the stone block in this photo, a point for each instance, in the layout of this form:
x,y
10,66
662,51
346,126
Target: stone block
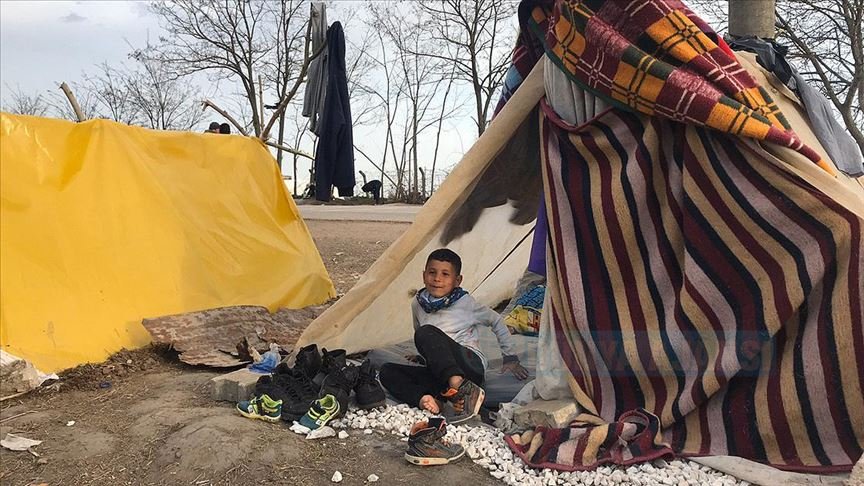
x,y
235,386
547,413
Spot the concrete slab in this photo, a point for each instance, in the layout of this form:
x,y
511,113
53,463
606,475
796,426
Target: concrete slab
x,y
235,386
547,413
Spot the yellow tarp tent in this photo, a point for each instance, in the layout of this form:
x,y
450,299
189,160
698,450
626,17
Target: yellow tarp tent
x,y
103,224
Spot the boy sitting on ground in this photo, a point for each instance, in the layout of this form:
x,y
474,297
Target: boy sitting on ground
x,y
446,319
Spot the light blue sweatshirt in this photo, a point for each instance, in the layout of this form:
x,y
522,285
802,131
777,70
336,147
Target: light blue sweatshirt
x,y
461,320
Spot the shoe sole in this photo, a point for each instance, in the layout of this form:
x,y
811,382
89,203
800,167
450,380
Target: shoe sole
x,y
474,412
432,461
265,418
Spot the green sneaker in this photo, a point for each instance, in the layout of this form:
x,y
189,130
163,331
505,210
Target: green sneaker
x,y
262,408
322,411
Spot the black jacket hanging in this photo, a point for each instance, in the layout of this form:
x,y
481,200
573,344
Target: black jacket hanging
x,y
334,157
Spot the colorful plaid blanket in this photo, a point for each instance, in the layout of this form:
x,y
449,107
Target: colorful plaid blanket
x,y
658,58
705,301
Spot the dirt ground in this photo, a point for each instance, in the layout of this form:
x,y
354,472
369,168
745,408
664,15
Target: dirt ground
x,y
143,417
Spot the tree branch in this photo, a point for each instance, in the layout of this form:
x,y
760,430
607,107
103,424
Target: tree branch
x,y
289,150
73,101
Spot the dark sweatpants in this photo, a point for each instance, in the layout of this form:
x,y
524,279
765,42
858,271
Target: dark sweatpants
x,y
444,358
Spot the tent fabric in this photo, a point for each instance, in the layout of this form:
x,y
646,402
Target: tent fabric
x,y
105,224
699,282
658,58
704,278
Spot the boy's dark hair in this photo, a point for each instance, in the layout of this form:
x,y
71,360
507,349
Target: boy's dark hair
x,y
447,255
214,127
225,129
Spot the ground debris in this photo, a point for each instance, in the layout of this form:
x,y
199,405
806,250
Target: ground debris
x,y
18,443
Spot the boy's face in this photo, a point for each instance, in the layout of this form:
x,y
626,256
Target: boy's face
x,y
440,278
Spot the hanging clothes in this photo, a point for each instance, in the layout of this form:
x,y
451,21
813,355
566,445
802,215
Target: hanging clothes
x,y
334,157
316,85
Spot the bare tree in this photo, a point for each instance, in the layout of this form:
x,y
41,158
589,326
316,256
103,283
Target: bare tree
x,y
475,36
161,101
22,103
420,79
388,96
828,44
107,87
282,68
233,39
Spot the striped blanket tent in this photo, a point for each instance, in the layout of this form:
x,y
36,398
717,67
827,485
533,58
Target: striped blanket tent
x,y
705,299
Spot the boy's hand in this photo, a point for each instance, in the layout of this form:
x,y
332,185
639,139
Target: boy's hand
x,y
516,368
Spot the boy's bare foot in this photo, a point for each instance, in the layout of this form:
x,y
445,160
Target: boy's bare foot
x,y
455,381
428,402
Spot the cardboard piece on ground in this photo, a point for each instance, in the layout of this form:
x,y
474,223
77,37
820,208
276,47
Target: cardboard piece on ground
x,y
210,337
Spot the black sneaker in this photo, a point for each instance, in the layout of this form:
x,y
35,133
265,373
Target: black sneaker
x,y
299,393
332,360
309,360
466,401
368,392
264,386
427,447
339,384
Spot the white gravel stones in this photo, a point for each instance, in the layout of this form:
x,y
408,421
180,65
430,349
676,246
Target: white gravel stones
x,y
372,478
337,477
486,447
343,434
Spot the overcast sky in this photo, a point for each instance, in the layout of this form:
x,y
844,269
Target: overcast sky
x,y
43,43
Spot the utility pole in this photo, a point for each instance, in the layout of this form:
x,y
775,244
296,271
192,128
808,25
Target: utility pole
x,y
751,17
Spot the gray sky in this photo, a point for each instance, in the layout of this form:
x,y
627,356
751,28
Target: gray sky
x,y
43,43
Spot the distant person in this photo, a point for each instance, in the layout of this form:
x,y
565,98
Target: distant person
x,y
213,128
225,129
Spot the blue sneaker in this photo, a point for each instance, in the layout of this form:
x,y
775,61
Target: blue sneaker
x,y
321,412
262,408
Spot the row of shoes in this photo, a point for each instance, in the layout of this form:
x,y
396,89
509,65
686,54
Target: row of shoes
x,y
316,390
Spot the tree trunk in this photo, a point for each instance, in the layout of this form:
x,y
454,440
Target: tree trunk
x,y
751,17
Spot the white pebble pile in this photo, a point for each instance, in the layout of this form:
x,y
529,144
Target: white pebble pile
x,y
486,447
